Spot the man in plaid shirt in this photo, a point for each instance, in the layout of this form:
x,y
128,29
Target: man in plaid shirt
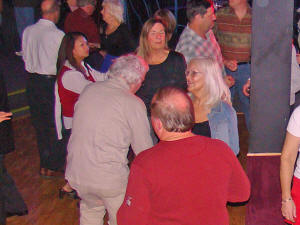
x,y
197,39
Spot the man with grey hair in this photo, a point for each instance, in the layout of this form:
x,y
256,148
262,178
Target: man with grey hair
x,y
185,178
108,118
40,44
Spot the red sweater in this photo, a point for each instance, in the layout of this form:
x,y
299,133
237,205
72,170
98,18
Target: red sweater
x,y
188,181
80,21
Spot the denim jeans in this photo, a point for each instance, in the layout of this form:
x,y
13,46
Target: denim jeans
x,y
241,75
24,17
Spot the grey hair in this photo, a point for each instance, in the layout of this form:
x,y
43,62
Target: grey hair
x,y
116,9
195,7
82,3
215,88
173,107
129,67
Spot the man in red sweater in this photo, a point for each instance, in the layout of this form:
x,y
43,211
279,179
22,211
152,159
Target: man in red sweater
x,y
184,179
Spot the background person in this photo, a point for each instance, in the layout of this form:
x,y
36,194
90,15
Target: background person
x,y
40,46
289,175
73,75
198,39
166,67
116,39
214,115
167,17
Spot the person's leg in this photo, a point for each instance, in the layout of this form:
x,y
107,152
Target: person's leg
x,y
2,209
92,209
40,93
112,205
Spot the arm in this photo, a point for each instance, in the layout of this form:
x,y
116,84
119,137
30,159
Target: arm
x,y
98,76
140,128
74,81
136,206
246,88
288,158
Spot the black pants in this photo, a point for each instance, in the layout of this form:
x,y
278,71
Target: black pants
x,y
11,202
40,94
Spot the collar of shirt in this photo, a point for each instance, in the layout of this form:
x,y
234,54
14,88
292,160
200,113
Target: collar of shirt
x,y
46,22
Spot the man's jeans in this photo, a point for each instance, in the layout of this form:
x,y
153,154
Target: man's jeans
x,y
241,75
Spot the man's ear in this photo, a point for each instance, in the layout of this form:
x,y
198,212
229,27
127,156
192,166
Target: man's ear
x,y
156,124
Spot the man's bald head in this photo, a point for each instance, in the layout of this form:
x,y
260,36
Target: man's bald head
x,y
173,107
49,8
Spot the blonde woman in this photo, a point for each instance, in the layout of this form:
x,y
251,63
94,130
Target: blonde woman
x,y
166,67
214,115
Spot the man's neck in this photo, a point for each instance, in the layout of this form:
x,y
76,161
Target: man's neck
x,y
197,29
241,10
173,136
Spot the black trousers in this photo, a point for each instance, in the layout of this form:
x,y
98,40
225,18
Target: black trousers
x,y
11,201
40,94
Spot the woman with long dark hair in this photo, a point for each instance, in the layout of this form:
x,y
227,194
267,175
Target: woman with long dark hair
x,y
73,75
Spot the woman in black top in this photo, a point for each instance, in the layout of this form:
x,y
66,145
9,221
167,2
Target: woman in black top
x,y
115,37
166,67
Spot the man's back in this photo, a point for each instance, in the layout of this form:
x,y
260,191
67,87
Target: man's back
x,y
40,46
107,119
187,181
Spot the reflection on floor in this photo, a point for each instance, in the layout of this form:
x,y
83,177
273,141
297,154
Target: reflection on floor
x,y
41,195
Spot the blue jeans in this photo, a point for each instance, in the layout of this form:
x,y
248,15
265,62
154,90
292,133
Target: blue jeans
x,y
241,75
24,17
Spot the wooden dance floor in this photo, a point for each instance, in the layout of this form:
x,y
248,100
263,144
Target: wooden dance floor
x,y
41,195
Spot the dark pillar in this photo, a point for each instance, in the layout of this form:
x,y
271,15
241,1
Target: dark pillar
x,y
269,106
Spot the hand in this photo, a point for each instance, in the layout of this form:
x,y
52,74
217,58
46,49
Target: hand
x,y
94,45
298,58
246,88
229,80
288,210
231,64
5,116
103,53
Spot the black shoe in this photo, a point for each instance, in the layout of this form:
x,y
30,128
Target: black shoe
x,y
71,194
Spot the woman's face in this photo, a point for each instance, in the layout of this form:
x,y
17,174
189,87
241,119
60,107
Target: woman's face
x,y
81,48
105,13
157,37
194,78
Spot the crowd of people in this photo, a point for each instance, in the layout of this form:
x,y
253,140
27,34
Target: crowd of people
x,y
95,94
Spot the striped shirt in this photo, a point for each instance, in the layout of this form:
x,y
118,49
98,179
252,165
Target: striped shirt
x,y
234,35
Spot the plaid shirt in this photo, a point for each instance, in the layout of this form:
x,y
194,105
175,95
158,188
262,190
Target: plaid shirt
x,y
191,45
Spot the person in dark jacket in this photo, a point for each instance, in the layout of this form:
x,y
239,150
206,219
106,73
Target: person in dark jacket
x,y
11,202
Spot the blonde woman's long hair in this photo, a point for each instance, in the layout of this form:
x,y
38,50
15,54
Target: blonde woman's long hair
x,y
214,89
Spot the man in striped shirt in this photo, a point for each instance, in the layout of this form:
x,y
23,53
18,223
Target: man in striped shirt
x,y
233,33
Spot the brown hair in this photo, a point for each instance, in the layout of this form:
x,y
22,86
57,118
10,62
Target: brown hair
x,y
167,17
66,52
